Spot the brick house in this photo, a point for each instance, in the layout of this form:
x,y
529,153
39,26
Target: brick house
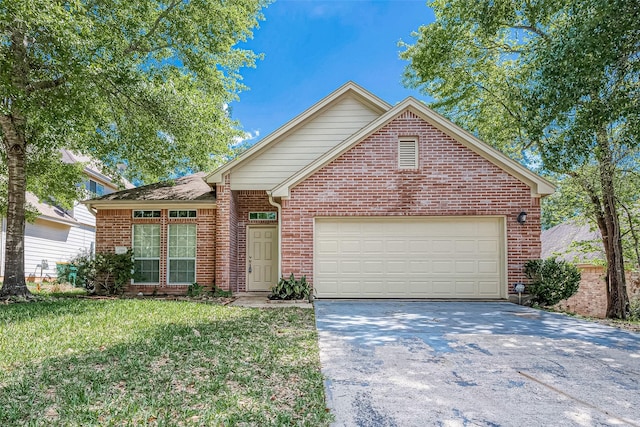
x,y
365,199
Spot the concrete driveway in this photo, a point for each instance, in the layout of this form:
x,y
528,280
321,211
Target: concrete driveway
x,y
474,364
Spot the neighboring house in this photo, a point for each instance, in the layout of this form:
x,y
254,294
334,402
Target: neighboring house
x,y
561,242
365,199
58,235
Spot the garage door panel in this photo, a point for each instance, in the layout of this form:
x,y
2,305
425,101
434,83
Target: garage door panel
x,y
442,266
420,247
347,267
466,246
419,267
488,288
490,267
465,267
373,267
488,246
443,247
373,247
409,257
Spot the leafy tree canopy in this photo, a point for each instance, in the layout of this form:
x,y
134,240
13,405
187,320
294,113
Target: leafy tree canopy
x,y
555,84
144,84
140,83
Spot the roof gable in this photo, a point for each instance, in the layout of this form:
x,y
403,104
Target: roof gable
x,y
349,90
538,185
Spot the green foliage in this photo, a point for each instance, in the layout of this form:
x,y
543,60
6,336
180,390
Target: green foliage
x,y
104,273
220,293
140,84
551,281
83,263
555,84
146,95
634,309
291,288
194,290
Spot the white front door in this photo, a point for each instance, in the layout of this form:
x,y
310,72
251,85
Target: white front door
x,y
262,258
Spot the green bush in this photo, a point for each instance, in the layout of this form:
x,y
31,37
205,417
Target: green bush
x,y
220,293
112,272
104,273
194,290
551,280
83,263
288,289
634,309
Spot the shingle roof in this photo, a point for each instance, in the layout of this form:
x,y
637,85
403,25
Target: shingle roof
x,y
557,240
49,212
188,188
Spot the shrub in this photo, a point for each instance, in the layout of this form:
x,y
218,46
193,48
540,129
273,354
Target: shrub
x,y
220,293
104,273
83,262
551,280
194,290
112,272
288,289
634,309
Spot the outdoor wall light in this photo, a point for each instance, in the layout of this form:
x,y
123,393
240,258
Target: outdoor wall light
x,y
522,217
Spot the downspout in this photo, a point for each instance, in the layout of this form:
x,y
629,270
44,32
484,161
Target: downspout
x,y
279,207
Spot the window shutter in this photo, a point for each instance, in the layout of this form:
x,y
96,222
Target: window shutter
x,y
407,154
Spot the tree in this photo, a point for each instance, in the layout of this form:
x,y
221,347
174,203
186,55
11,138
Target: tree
x,y
556,82
144,84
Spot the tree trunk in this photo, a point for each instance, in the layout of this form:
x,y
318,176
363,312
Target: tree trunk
x,y
14,141
14,283
617,298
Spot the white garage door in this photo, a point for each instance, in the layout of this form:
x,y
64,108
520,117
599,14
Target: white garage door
x,y
419,257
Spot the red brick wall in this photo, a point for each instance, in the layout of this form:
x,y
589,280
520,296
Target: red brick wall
x,y
248,201
591,298
226,238
450,180
114,227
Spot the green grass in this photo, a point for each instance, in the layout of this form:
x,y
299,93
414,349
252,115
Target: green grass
x,y
78,362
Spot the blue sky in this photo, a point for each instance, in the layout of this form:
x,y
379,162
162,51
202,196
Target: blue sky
x,y
313,47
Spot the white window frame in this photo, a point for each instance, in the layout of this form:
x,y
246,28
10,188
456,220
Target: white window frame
x,y
133,240
153,213
190,213
170,258
407,153
266,216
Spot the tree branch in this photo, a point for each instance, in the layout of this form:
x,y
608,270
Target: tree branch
x,y
534,30
46,84
135,46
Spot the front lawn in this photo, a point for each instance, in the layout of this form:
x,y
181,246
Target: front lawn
x,y
148,362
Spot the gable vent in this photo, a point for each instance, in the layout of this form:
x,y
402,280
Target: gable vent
x,y
408,153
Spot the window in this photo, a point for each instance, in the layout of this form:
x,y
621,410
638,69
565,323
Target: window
x,y
146,252
95,188
182,253
146,214
408,153
263,215
182,214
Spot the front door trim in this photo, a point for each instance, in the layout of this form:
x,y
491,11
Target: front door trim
x,y
248,255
